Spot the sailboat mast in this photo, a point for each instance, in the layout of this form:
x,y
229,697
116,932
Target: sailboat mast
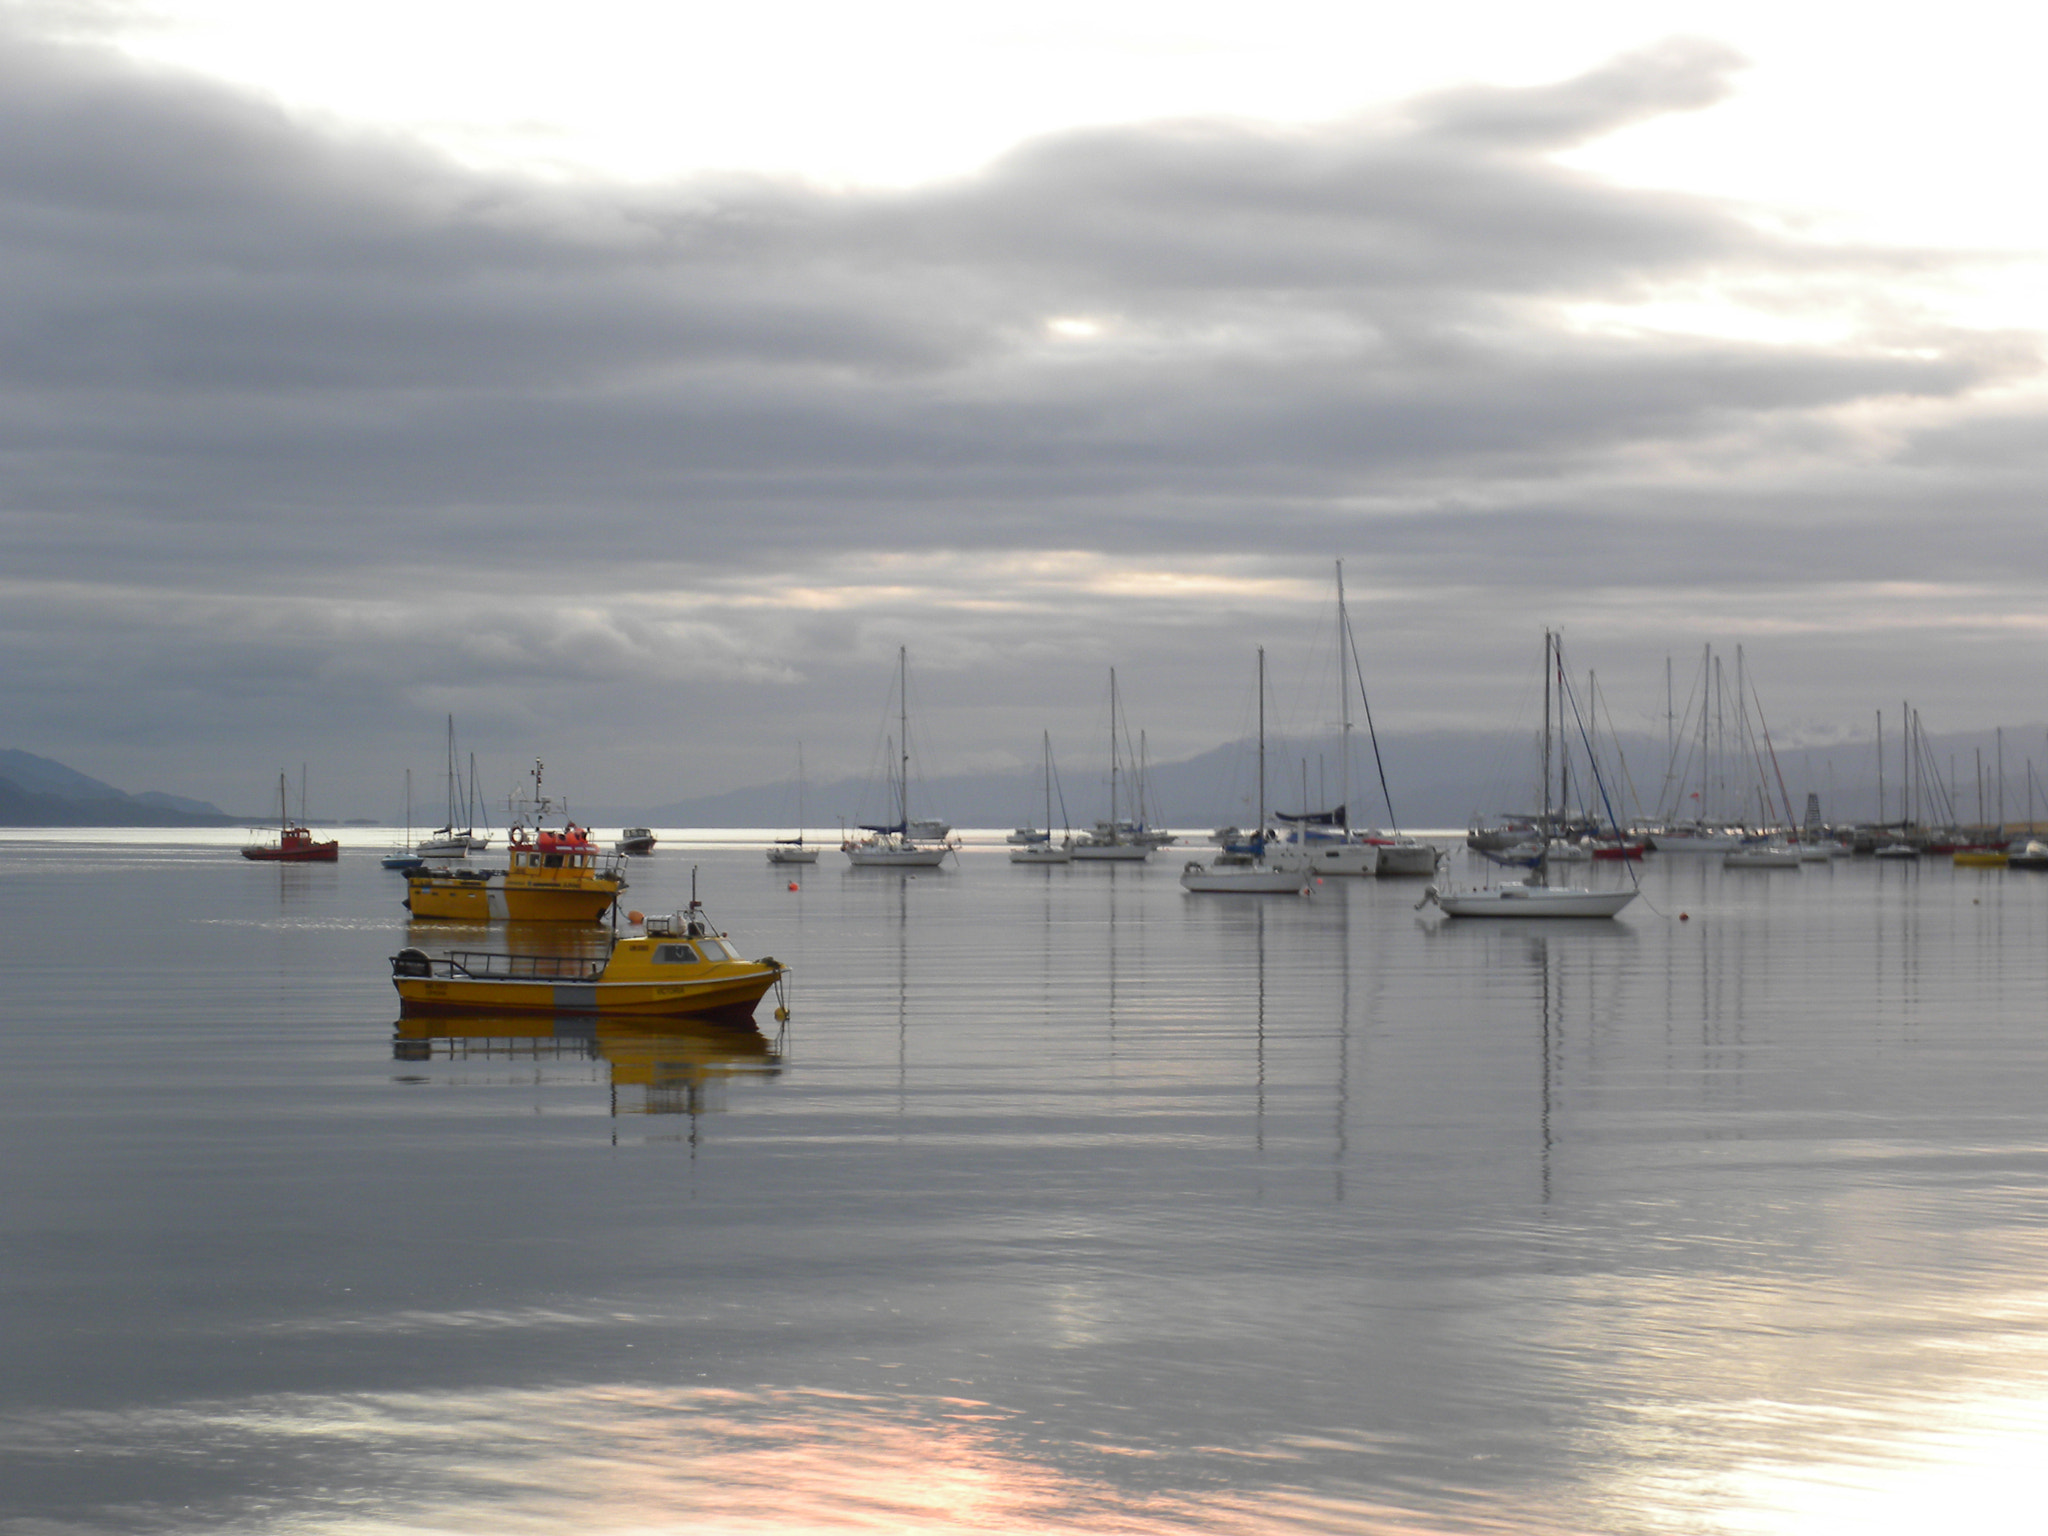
x,y
1143,814
1112,755
1670,731
1262,749
903,708
1548,830
1048,786
1343,708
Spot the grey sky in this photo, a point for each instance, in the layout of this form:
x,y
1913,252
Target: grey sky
x,y
312,434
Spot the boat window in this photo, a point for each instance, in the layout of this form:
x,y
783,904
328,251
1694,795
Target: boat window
x,y
552,861
718,949
674,954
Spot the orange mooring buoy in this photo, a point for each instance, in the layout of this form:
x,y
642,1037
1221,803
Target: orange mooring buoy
x,y
792,885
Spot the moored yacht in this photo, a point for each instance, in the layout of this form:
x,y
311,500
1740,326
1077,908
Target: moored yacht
x,y
1241,874
1535,896
897,845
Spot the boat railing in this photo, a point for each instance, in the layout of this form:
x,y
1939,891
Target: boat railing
x,y
488,965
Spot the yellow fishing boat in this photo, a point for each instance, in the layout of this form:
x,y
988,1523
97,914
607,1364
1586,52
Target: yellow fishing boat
x,y
1981,858
678,965
551,877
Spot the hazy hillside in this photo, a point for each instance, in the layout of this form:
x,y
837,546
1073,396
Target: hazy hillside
x,y
1436,779
38,792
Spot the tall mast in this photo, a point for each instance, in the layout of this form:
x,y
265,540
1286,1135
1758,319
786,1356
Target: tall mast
x,y
903,710
1262,752
1880,769
1905,766
1048,786
1112,755
1670,730
1344,707
1706,757
1144,816
1547,829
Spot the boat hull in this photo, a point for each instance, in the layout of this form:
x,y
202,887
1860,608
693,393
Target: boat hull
x,y
732,996
494,898
1362,859
1251,880
1530,901
1761,858
1411,860
1111,853
782,855
1694,842
317,853
1041,853
896,857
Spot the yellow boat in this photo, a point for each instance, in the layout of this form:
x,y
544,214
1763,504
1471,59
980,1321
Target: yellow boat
x,y
677,966
551,877
1981,858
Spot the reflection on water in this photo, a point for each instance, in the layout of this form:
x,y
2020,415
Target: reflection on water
x,y
670,1068
1084,1206
653,1067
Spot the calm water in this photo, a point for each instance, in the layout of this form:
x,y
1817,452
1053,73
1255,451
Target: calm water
x,y
1064,1202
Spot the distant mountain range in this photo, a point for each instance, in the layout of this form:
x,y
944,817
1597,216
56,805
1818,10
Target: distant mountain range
x,y
1438,779
36,792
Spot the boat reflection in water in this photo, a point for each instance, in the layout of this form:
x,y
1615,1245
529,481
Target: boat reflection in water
x,y
655,1067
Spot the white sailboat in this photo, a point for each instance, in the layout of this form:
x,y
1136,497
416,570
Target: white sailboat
x,y
1044,850
1111,841
449,840
1230,874
473,803
893,846
794,850
1322,842
405,857
1535,897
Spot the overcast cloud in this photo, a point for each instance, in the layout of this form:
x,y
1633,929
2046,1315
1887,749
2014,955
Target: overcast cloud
x,y
311,435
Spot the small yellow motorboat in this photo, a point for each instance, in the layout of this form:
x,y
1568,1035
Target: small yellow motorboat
x,y
677,966
1981,858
